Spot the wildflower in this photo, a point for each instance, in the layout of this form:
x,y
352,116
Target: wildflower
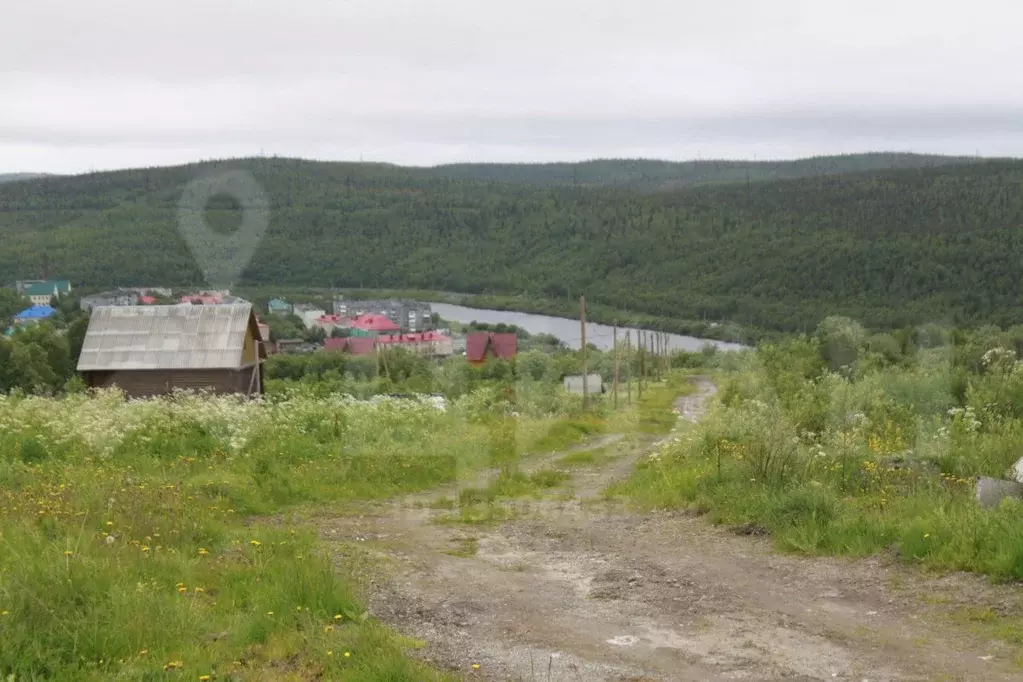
x,y
338,616
174,665
926,535
143,652
204,678
329,652
328,628
110,523
255,543
145,548
269,613
5,612
68,552
203,551
109,539
348,654
475,666
200,589
182,589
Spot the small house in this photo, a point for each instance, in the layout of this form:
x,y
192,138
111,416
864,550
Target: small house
x,y
278,306
594,384
429,344
309,313
480,346
41,292
152,350
356,345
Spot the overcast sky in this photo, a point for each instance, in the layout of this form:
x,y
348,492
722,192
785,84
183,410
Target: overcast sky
x,y
114,83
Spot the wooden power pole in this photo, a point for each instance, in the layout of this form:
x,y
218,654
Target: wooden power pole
x,y
582,334
615,389
642,360
629,364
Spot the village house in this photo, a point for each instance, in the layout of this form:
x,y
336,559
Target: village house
x,y
278,306
356,345
295,346
573,383
328,323
429,344
373,325
481,346
309,313
42,291
152,350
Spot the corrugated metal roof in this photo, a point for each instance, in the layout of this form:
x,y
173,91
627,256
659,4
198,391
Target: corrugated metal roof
x,y
165,337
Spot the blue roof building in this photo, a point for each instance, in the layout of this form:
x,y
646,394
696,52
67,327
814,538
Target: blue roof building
x,y
34,314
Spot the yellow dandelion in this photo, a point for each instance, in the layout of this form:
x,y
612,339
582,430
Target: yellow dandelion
x,y
204,678
4,612
174,665
269,613
68,552
338,616
203,551
329,652
110,523
926,535
475,666
255,543
182,589
348,654
200,589
143,652
145,548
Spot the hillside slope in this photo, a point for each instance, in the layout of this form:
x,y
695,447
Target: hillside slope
x,y
891,248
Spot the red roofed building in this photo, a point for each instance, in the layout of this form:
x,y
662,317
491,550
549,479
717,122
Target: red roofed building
x,y
373,325
329,323
433,344
203,299
482,345
356,345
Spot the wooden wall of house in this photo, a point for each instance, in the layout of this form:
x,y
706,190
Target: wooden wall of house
x,y
249,350
146,383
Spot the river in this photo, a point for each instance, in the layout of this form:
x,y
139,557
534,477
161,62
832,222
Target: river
x,y
565,329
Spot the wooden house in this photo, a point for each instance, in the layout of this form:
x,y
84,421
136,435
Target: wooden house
x,y
152,350
479,346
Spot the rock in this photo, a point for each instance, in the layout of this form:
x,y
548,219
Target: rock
x,y
1017,470
991,491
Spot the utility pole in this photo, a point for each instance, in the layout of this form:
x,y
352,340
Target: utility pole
x,y
615,389
582,334
629,363
642,360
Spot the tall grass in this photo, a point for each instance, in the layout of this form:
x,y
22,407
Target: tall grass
x,y
830,464
129,547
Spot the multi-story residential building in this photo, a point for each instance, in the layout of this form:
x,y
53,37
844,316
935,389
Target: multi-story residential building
x,y
410,316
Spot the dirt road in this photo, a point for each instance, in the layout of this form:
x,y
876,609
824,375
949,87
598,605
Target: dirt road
x,y
571,590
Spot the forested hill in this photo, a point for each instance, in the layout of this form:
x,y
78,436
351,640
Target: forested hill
x,y
650,175
891,248
12,177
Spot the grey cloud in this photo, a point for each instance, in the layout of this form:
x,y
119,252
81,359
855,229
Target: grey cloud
x,y
110,81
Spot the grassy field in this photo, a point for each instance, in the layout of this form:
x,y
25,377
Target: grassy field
x,y
135,543
863,459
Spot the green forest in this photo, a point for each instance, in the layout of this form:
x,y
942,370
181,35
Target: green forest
x,y
894,247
